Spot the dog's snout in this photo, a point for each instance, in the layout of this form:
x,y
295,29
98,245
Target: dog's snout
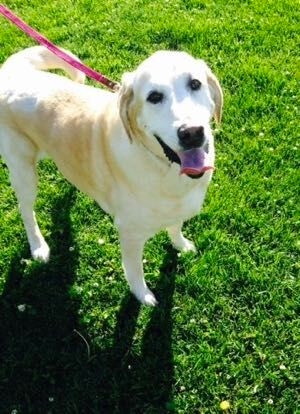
x,y
190,137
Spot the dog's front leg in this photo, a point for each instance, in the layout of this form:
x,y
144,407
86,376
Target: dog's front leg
x,y
132,254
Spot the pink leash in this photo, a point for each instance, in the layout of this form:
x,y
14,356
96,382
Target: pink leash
x,y
58,52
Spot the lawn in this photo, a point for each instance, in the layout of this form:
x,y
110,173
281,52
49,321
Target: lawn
x,y
72,338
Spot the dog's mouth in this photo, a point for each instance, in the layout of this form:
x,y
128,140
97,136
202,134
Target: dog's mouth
x,y
193,162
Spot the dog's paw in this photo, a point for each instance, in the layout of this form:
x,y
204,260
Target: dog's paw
x,y
41,253
188,246
150,299
146,297
185,246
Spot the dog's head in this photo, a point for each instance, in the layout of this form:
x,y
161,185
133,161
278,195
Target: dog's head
x,y
168,103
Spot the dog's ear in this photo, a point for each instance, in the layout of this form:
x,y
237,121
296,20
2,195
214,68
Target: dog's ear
x,y
216,93
126,104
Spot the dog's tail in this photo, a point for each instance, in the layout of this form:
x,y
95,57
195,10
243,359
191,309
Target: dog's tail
x,y
40,58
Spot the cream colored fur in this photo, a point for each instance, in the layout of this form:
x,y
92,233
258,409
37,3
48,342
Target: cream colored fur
x,y
104,144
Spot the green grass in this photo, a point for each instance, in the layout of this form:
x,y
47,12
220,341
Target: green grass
x,y
227,326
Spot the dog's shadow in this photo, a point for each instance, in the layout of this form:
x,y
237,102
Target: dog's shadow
x,y
44,366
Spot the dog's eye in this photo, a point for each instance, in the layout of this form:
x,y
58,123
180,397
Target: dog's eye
x,y
195,84
155,97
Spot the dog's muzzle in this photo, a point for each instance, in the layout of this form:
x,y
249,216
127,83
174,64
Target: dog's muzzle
x,y
193,161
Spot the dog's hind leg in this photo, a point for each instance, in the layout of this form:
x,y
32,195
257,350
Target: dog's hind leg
x,y
21,156
132,256
179,241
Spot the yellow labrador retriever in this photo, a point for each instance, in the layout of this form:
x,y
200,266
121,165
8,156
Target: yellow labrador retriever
x,y
145,153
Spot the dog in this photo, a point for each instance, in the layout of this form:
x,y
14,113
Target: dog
x,y
145,154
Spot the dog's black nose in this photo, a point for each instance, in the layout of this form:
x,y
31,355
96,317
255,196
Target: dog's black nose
x,y
191,137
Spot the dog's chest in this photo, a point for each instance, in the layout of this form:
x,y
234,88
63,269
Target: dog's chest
x,y
152,195
157,206
173,209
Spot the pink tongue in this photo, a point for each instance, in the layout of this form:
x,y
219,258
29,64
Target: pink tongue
x,y
193,161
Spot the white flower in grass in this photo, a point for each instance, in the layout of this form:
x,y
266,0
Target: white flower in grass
x,y
22,307
26,262
224,405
